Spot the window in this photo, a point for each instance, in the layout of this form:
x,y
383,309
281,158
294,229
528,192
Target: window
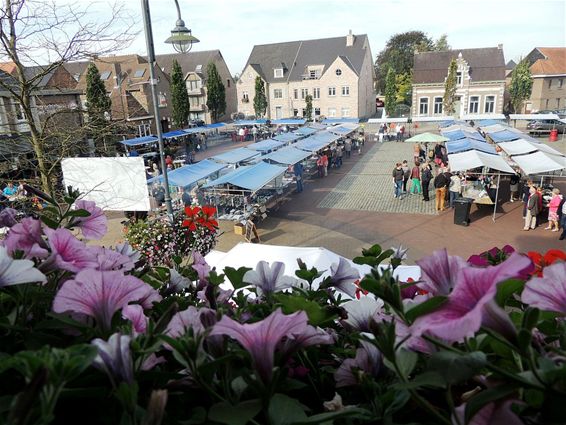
x,y
228,82
557,102
278,73
338,72
195,85
317,112
331,112
304,93
245,97
314,74
198,68
304,112
423,106
438,106
345,112
331,91
296,93
295,112
316,93
19,111
549,83
195,101
459,78
560,82
489,104
474,104
278,93
105,75
139,73
546,107
345,90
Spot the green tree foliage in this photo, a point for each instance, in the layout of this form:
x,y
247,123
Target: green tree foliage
x,y
399,54
215,92
260,101
308,107
179,96
521,85
98,105
390,92
403,84
441,44
450,88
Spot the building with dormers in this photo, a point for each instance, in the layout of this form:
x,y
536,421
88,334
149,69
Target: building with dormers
x,y
337,72
480,81
548,68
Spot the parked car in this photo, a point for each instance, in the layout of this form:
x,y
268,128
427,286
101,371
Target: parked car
x,y
544,126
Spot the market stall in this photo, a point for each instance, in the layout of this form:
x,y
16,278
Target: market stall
x,y
289,155
333,121
467,144
305,131
235,156
344,129
463,133
287,137
266,146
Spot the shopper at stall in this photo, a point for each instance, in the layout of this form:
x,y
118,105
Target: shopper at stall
x,y
406,174
514,187
440,185
525,195
532,209
348,147
416,178
339,155
10,190
320,166
455,188
186,197
553,210
426,177
298,172
325,163
398,180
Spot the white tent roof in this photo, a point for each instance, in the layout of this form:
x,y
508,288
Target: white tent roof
x,y
518,147
248,255
539,162
472,159
533,117
547,149
388,120
477,117
494,128
433,119
458,126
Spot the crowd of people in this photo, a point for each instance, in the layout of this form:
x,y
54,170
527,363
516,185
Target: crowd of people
x,y
390,132
532,198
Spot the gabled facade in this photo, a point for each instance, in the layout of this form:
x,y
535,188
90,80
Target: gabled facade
x,y
480,81
548,68
194,66
337,72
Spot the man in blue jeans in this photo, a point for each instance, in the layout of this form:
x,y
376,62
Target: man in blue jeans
x,y
298,172
398,180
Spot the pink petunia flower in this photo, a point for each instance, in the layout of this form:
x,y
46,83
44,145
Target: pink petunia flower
x,y
109,259
200,266
100,294
491,413
14,272
439,272
68,252
95,225
367,361
134,313
191,318
467,307
548,292
8,217
27,237
115,357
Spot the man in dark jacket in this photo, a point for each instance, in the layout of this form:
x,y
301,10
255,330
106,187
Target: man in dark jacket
x,y
398,179
532,209
426,177
440,185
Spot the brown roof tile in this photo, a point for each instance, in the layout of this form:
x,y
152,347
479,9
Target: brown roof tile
x,y
554,61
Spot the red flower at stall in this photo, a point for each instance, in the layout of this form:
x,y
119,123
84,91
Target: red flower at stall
x,y
193,217
207,218
541,261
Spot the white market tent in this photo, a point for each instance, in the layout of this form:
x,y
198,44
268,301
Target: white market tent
x,y
387,120
473,159
477,117
249,178
539,162
433,119
534,117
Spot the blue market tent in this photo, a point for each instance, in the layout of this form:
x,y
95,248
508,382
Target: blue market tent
x,y
343,130
174,133
469,144
288,121
330,121
461,134
504,136
316,141
235,156
215,125
287,137
487,123
251,177
250,122
305,131
266,145
145,140
287,155
190,174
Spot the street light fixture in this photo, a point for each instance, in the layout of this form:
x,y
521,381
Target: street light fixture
x,y
182,41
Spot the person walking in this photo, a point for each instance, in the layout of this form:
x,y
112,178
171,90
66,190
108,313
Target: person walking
x,y
325,163
348,147
416,179
406,174
298,172
398,180
381,133
426,177
440,185
320,166
553,210
532,210
454,188
339,154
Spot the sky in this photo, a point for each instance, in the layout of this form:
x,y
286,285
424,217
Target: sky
x,y
235,26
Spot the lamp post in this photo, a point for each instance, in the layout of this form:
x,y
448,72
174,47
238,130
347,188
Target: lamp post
x,y
182,41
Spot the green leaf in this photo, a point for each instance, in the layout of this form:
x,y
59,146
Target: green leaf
x,y
506,289
455,367
530,318
370,261
198,416
476,403
374,251
425,307
78,213
240,414
406,361
284,410
236,276
49,222
426,380
318,315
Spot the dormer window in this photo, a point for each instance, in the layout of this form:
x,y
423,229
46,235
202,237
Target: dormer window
x,y
105,75
278,73
198,68
459,78
139,73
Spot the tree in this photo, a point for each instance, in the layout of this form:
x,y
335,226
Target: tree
x,y
399,54
98,105
31,31
441,44
450,88
179,96
308,107
403,86
390,93
215,92
260,101
521,85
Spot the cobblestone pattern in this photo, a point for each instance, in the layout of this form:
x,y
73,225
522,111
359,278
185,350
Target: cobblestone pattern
x,y
369,186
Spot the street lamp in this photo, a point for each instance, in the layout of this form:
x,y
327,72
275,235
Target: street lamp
x,y
182,41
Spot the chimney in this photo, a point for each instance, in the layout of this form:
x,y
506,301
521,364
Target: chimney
x,y
350,39
500,46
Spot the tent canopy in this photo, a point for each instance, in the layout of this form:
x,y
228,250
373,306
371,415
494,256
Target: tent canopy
x,y
287,137
265,145
487,123
533,117
317,141
517,147
289,121
469,144
343,129
138,141
451,122
479,117
387,120
539,162
190,174
341,120
235,156
463,134
174,133
473,159
427,138
305,131
287,155
433,119
504,136
250,122
251,177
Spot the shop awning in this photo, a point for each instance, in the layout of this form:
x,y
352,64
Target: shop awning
x,y
305,131
463,134
487,123
449,123
534,117
517,147
505,135
138,141
190,174
250,122
235,156
539,162
287,155
343,129
288,121
317,126
469,144
432,119
341,120
479,117
174,133
427,138
473,159
317,141
494,128
266,145
216,125
251,177
287,137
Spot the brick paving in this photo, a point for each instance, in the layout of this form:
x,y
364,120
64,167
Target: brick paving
x,y
369,186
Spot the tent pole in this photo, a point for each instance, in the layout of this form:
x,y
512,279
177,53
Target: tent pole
x,y
496,196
